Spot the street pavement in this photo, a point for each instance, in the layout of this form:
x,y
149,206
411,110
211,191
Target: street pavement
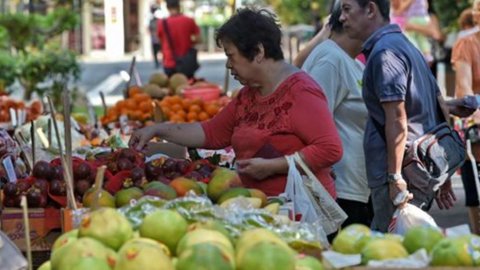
x,y
105,76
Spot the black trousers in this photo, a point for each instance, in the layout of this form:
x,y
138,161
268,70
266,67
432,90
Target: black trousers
x,y
357,212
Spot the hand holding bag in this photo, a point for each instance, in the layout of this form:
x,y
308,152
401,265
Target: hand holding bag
x,y
310,197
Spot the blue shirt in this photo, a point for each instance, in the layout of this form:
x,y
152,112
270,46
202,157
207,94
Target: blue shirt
x,y
395,71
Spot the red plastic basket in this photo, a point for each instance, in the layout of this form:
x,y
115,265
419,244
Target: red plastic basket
x,y
207,93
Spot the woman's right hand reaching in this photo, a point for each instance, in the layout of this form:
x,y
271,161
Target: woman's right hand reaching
x,y
141,137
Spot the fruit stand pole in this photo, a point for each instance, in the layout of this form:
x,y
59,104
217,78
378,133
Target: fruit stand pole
x,y
26,226
67,123
66,172
130,72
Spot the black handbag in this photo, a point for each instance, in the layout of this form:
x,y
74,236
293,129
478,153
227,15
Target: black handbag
x,y
430,160
186,64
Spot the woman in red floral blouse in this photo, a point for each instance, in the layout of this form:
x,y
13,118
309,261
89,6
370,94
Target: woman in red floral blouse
x,y
279,111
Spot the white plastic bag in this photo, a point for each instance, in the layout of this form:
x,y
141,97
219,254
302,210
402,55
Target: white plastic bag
x,y
408,217
310,198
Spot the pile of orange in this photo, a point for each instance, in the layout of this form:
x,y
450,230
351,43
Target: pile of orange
x,y
181,110
32,111
138,106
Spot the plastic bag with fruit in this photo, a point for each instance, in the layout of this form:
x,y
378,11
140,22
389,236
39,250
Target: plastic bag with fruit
x,y
408,217
310,198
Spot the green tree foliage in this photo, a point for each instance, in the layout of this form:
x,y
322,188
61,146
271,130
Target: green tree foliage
x,y
299,11
30,51
448,11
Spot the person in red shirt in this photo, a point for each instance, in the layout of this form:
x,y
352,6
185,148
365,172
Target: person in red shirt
x,y
279,111
184,34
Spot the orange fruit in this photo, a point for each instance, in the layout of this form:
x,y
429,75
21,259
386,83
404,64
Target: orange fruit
x,y
192,116
202,116
177,107
146,106
186,103
176,99
131,104
211,109
181,113
177,118
195,108
134,90
141,97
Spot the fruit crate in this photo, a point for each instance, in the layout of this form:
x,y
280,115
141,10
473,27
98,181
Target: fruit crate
x,y
44,227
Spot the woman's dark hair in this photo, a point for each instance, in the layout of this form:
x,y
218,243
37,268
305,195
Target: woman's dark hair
x,y
383,6
249,28
334,20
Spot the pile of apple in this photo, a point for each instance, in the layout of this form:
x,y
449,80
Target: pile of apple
x,y
443,251
165,240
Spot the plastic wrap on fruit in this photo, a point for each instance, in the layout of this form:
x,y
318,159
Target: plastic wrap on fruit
x,y
192,207
306,238
136,212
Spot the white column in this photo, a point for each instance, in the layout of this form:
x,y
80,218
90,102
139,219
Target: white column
x,y
114,30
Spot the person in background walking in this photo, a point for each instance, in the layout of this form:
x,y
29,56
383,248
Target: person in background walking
x,y
466,62
184,34
332,64
410,15
401,96
152,29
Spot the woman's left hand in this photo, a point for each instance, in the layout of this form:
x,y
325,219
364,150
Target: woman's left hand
x,y
257,168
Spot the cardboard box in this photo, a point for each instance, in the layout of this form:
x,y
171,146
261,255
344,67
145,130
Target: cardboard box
x,y
43,225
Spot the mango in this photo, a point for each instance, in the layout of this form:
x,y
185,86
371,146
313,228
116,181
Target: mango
x,y
257,193
221,180
160,190
142,255
165,226
267,256
421,237
383,249
254,236
124,196
303,262
183,185
68,256
45,266
65,238
205,256
204,236
232,193
107,226
105,199
211,224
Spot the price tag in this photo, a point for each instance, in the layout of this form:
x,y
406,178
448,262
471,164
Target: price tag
x,y
8,165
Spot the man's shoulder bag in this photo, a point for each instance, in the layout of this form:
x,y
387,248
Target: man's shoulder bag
x,y
186,64
431,159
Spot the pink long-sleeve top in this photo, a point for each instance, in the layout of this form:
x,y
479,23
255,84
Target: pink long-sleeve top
x,y
295,117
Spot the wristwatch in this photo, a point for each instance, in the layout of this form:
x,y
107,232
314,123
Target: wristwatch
x,y
394,177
